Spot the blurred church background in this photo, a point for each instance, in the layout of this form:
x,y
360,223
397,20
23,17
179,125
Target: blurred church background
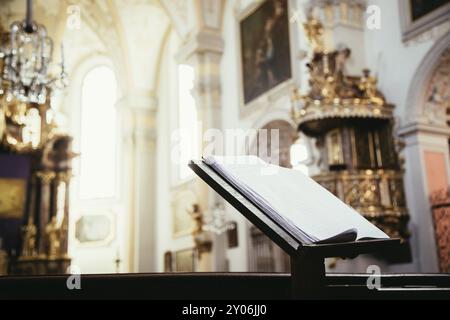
x,y
96,106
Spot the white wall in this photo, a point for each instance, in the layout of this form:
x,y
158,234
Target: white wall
x,y
168,103
393,61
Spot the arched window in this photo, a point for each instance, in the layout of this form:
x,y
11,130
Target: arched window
x,y
98,143
187,120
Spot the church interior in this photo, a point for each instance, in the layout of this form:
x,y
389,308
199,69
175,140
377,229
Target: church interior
x,y
104,103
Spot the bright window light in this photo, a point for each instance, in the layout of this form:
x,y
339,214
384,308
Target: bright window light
x,y
98,135
187,120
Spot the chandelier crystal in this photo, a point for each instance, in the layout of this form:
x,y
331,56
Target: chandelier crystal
x,y
27,55
217,221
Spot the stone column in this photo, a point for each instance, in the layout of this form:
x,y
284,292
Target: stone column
x,y
138,114
204,52
422,141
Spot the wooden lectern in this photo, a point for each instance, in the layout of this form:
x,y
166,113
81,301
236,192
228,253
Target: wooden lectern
x,y
307,260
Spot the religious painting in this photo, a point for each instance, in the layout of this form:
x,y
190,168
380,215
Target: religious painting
x,y
438,91
184,260
420,8
439,195
334,147
168,261
363,148
182,205
14,173
12,198
95,229
440,206
419,16
265,48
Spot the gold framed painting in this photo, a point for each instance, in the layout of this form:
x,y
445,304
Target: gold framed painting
x,y
95,228
335,148
184,260
265,51
12,198
419,16
182,205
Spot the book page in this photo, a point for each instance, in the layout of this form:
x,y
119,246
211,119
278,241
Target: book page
x,y
313,210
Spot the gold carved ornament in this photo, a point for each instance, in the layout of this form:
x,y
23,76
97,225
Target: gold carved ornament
x,y
53,233
337,101
363,190
29,233
314,33
333,93
202,242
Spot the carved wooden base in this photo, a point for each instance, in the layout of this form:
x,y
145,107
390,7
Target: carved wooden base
x,y
40,266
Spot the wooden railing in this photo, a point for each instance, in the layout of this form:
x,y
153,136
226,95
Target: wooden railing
x,y
221,286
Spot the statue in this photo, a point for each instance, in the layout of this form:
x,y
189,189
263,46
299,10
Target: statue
x,y
314,31
197,216
52,231
340,59
29,239
202,242
368,85
328,90
327,69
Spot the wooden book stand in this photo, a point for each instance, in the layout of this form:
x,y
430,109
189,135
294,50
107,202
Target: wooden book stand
x,y
307,260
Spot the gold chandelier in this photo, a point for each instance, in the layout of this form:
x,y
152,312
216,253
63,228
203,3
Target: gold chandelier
x,y
27,57
26,85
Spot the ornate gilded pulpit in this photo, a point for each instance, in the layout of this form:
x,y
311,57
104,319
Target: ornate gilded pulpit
x,y
352,125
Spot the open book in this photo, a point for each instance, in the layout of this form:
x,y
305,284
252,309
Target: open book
x,y
298,204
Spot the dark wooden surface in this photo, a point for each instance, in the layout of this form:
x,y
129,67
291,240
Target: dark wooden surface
x,y
221,286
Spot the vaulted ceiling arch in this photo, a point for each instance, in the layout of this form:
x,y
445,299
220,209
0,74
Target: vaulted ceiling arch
x,y
132,32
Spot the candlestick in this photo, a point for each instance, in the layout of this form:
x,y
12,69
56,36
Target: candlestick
x,y
62,54
118,261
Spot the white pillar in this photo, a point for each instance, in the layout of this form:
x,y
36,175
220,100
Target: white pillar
x,y
138,113
204,52
421,139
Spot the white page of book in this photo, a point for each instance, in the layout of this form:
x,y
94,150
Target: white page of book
x,y
295,196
